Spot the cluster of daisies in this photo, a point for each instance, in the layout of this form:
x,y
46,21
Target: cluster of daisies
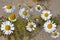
x,y
49,26
7,27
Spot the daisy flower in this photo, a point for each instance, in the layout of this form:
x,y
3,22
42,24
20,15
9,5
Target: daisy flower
x,y
49,26
55,34
46,15
7,27
12,17
9,8
38,8
31,26
24,13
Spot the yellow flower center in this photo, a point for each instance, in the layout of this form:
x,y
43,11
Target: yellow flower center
x,y
46,14
55,34
38,8
9,7
12,16
49,26
31,26
24,13
7,27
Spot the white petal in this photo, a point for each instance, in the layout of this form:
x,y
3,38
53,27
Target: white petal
x,y
12,25
29,29
33,28
6,32
12,28
2,28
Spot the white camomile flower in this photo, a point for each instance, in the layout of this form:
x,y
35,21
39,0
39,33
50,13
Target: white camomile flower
x,y
46,15
7,27
30,26
38,8
12,17
55,34
24,13
9,8
49,26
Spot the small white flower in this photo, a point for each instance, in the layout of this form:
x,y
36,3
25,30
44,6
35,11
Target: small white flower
x,y
31,26
9,8
49,26
7,27
38,8
46,15
24,13
12,17
55,34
